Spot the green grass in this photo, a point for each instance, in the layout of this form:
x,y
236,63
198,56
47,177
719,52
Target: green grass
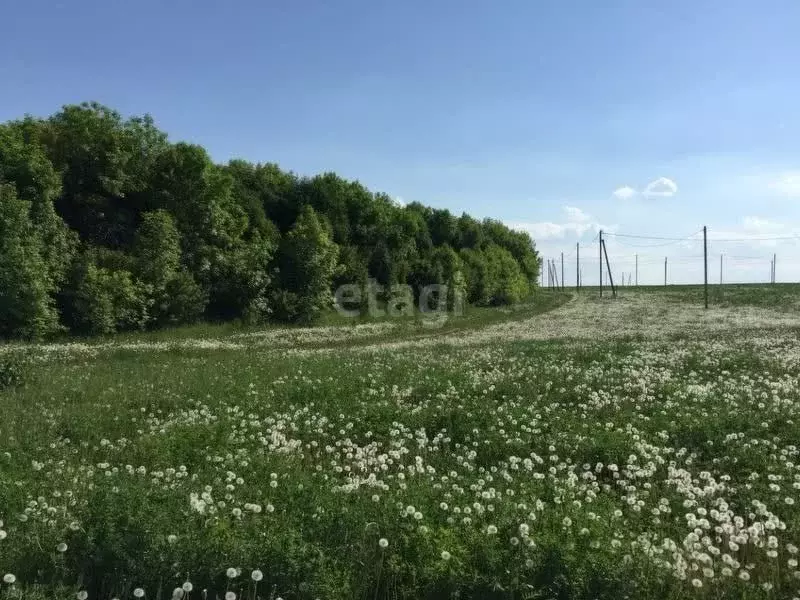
x,y
416,325
778,296
565,438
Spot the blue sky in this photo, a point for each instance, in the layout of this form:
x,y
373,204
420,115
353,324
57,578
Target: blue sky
x,y
552,116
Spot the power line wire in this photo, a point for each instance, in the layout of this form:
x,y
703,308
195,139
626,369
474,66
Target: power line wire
x,y
653,237
759,239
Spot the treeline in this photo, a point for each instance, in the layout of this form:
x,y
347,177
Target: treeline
x,y
105,225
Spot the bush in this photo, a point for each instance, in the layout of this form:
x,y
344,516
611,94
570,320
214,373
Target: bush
x,y
507,283
107,301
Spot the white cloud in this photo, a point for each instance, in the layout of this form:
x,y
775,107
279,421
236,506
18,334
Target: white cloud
x,y
662,187
624,193
761,226
755,233
544,230
576,215
399,201
787,184
576,224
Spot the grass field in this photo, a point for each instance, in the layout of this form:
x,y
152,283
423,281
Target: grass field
x,y
570,448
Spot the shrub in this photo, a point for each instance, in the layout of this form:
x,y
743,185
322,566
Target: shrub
x,y
107,301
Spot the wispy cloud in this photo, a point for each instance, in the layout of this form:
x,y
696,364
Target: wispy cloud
x,y
576,215
787,184
624,193
762,226
757,232
576,224
662,187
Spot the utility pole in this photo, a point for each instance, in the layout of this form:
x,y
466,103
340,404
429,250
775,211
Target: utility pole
x,y
555,275
549,274
665,271
720,269
774,258
705,266
637,270
610,276
562,271
578,266
600,245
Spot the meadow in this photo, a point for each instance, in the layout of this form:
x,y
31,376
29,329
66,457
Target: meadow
x,y
571,447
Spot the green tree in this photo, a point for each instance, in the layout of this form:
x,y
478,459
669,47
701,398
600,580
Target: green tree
x,y
174,294
352,267
452,273
184,300
104,301
381,265
251,189
106,165
470,233
239,281
508,283
307,264
517,243
443,228
478,279
125,229
227,256
27,308
157,248
24,165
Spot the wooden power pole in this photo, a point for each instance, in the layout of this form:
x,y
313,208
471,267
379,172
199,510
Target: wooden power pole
x,y
705,266
600,245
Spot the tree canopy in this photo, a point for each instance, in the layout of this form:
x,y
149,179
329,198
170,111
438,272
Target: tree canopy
x,y
107,225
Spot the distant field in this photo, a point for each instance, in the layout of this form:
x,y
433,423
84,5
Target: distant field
x,y
570,448
779,296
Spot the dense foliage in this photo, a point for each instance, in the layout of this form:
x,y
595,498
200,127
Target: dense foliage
x,y
106,226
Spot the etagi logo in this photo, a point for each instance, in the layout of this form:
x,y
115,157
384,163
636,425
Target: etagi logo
x,y
435,302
